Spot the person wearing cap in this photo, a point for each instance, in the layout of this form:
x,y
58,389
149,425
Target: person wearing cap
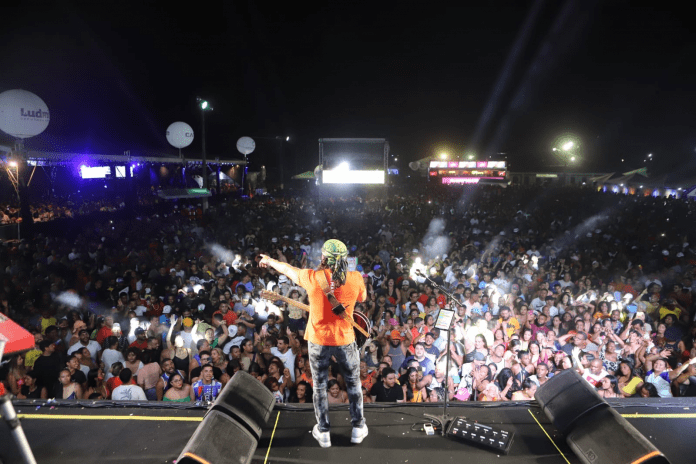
x,y
395,344
140,341
84,341
330,335
376,275
474,376
123,341
431,351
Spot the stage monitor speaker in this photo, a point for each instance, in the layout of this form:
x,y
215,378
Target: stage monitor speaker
x,y
594,431
247,400
232,427
219,438
568,398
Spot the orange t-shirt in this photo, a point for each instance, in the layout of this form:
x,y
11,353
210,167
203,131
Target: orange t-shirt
x,y
324,327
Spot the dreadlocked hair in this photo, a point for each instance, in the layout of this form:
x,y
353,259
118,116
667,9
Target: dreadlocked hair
x,y
339,269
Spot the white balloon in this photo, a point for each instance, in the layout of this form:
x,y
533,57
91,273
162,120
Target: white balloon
x,y
22,114
246,145
179,134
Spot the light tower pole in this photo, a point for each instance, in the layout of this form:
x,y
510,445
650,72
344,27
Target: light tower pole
x,y
203,104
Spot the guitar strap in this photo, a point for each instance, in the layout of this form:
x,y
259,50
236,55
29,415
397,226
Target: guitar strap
x,y
336,306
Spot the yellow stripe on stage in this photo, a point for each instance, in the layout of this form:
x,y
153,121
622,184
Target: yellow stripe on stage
x,y
660,416
548,436
272,435
96,417
199,419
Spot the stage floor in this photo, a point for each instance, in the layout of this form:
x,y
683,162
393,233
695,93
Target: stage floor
x,y
104,432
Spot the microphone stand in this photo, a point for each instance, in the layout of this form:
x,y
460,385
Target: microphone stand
x,y
444,419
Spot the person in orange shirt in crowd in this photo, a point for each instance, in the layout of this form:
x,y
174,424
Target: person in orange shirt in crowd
x,y
329,333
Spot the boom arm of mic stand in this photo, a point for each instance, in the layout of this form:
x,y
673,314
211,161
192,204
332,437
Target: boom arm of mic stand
x,y
443,291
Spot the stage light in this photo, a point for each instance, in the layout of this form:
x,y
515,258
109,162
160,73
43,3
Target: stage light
x,y
204,104
344,166
443,155
13,164
416,267
572,158
287,139
567,146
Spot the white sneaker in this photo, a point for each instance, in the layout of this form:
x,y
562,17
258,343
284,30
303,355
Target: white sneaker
x,y
358,434
324,438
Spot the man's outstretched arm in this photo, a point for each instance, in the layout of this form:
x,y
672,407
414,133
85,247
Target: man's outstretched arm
x,y
284,268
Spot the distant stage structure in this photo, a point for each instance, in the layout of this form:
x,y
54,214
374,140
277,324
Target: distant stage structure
x,y
352,161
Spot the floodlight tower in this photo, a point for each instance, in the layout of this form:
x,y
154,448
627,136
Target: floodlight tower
x,y
204,106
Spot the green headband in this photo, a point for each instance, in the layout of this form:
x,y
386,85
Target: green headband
x,y
334,249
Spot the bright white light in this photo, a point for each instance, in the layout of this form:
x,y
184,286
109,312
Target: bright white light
x,y
396,159
443,155
336,176
572,158
96,172
417,266
287,139
568,145
554,149
344,166
649,155
640,186
204,104
621,185
13,164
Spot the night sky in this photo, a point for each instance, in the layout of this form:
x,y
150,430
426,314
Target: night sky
x,y
505,77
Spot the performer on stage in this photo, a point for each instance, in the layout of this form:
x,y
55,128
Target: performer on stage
x,y
328,334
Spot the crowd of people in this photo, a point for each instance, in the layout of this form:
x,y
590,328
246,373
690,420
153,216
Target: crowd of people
x,y
169,307
45,212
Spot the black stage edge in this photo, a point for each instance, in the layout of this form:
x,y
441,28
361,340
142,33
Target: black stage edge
x,y
108,432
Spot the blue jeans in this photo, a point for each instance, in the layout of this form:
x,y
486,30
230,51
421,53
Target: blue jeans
x,y
349,362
